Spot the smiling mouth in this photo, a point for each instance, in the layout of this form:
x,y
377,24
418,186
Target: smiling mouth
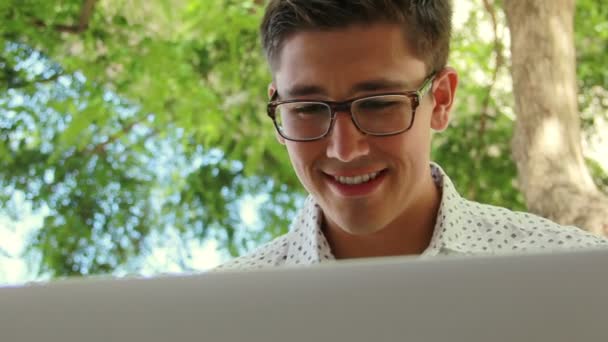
x,y
356,180
359,186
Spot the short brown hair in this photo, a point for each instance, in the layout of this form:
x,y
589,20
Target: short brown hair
x,y
427,23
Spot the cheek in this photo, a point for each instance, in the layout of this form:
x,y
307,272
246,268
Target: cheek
x,y
303,159
412,147
419,136
303,156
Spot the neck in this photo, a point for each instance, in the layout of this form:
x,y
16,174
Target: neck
x,y
410,233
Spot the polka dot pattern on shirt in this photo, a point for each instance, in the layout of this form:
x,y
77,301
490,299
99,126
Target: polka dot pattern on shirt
x,y
462,227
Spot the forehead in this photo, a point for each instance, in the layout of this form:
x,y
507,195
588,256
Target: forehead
x,y
337,59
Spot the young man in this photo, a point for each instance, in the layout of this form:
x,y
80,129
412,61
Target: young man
x,y
357,88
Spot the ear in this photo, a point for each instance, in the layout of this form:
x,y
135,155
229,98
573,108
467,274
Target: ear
x,y
272,89
444,90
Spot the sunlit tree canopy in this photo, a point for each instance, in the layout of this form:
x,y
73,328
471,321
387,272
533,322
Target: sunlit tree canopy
x,y
122,121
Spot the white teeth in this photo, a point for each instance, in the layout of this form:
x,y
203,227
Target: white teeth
x,y
357,179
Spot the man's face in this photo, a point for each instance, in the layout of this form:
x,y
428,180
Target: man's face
x,y
342,64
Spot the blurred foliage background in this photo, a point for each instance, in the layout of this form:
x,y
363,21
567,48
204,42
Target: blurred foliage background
x,y
124,122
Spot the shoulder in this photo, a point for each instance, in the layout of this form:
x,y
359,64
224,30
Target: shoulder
x,y
271,254
469,227
300,245
493,229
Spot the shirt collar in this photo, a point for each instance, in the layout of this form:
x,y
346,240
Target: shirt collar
x,y
307,242
446,232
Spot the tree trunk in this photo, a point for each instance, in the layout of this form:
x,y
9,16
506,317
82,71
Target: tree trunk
x,y
547,141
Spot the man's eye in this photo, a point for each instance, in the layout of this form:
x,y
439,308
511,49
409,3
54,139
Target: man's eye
x,y
311,109
378,104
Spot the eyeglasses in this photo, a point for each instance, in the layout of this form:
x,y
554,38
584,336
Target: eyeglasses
x,y
377,115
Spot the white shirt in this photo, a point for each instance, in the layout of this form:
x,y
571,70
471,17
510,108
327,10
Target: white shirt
x,y
462,228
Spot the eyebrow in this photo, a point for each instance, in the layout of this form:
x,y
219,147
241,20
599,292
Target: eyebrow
x,y
304,90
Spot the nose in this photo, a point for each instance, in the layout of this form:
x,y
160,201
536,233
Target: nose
x,y
346,142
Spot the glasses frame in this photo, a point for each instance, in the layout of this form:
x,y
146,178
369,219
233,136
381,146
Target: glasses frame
x,y
346,106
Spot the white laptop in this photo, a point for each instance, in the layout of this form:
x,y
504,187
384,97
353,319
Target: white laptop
x,y
545,297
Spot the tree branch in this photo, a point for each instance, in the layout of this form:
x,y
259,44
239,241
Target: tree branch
x,y
20,85
499,62
101,147
83,21
489,7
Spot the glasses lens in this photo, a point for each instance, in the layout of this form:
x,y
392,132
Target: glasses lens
x,y
384,114
303,120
